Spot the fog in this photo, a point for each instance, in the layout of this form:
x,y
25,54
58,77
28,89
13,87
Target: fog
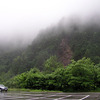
x,y
21,20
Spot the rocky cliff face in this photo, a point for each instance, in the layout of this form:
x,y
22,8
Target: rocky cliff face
x,y
65,53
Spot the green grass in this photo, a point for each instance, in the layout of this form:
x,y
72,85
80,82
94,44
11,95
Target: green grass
x,y
96,90
36,90
30,90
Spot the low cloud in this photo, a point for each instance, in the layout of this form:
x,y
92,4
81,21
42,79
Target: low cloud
x,y
21,20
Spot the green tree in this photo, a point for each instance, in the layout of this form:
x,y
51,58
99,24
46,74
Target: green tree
x,y
52,64
81,75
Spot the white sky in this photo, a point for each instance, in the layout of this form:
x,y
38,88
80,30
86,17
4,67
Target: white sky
x,y
23,19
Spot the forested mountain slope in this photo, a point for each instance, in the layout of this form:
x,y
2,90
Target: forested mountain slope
x,y
65,43
74,44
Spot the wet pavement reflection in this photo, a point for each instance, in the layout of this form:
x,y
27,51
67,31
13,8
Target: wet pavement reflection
x,y
21,95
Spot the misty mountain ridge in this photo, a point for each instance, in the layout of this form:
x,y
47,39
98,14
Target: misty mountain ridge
x,y
13,45
67,40
65,24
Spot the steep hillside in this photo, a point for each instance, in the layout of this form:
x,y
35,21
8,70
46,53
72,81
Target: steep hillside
x,y
65,43
6,59
66,46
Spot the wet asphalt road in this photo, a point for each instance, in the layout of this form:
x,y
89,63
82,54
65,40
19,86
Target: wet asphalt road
x,y
19,95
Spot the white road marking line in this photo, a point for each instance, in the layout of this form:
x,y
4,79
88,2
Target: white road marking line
x,y
45,96
84,97
63,97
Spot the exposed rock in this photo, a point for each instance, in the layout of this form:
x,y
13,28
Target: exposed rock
x,y
65,53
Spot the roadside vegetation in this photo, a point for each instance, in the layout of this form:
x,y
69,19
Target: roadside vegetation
x,y
81,75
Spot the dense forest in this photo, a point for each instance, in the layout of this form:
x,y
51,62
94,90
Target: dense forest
x,y
63,58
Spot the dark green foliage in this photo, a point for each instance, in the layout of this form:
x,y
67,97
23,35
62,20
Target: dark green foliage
x,y
81,75
6,59
36,54
86,44
52,64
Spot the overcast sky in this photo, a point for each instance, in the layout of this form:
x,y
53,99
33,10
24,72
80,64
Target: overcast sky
x,y
23,19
